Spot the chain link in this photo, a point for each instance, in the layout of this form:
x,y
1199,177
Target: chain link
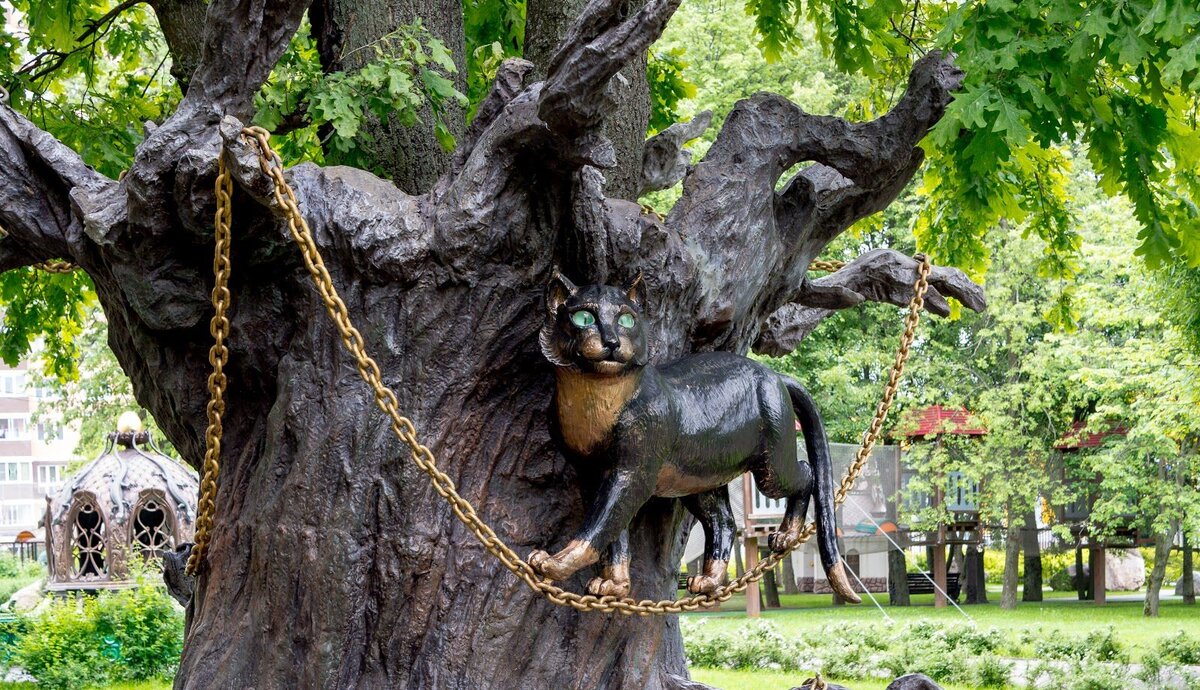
x,y
403,428
56,266
218,356
826,266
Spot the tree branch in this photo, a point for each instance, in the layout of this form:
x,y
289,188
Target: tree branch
x,y
243,41
36,208
366,221
664,160
730,210
880,275
48,61
575,98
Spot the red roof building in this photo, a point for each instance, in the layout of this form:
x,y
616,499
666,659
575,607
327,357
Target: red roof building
x,y
1079,438
935,420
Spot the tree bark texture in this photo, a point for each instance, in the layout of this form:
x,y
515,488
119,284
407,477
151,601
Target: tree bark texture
x,y
1032,553
347,33
1162,551
333,562
1189,581
546,22
789,577
897,579
1012,555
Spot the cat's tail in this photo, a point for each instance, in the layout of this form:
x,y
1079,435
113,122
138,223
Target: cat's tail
x,y
817,446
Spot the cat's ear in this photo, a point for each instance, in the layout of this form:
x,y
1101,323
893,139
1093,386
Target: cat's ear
x,y
558,291
635,290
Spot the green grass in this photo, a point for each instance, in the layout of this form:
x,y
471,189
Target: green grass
x,y
767,680
805,613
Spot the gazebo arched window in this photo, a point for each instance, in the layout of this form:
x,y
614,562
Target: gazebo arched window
x,y
87,542
152,533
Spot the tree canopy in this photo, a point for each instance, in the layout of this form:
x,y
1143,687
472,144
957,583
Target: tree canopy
x,y
1114,81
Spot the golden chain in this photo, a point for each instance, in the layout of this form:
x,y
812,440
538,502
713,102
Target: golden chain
x,y
56,266
386,400
827,266
218,356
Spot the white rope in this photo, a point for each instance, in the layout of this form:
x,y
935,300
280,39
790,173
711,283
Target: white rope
x,y
924,574
867,591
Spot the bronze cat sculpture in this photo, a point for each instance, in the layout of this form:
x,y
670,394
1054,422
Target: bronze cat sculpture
x,y
683,430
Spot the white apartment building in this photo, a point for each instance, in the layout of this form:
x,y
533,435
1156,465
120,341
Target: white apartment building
x,y
33,457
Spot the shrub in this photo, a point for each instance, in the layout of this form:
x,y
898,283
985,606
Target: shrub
x,y
61,646
1098,645
1180,648
1093,677
143,628
1061,581
132,634
991,672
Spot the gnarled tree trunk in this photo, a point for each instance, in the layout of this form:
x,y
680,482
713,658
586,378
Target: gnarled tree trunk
x,y
333,563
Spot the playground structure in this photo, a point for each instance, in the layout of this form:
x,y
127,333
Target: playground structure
x,y
874,538
1077,513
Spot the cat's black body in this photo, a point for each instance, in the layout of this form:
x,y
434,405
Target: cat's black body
x,y
683,430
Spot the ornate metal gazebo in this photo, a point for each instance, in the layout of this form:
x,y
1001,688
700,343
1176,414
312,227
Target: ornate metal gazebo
x,y
131,501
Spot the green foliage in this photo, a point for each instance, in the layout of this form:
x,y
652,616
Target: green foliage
x,y
84,641
46,307
63,647
494,31
407,69
1119,77
1097,645
90,77
955,653
668,87
1181,648
95,399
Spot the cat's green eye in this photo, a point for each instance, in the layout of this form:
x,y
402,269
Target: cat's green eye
x,y
583,318
626,320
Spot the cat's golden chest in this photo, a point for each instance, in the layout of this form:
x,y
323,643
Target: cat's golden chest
x,y
588,407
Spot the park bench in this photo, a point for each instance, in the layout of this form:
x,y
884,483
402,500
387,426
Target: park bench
x,y
918,584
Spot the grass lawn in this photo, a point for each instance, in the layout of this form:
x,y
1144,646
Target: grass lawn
x,y
805,613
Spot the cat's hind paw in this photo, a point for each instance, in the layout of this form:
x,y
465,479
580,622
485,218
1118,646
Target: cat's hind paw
x,y
703,584
603,587
538,560
783,541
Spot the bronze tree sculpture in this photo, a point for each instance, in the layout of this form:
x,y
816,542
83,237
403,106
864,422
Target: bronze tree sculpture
x,y
333,563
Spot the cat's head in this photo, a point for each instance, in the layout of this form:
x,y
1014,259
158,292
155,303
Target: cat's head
x,y
595,329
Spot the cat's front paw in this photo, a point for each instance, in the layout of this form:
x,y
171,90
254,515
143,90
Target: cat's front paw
x,y
603,587
703,584
780,542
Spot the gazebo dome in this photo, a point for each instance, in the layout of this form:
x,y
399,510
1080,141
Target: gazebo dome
x,y
130,501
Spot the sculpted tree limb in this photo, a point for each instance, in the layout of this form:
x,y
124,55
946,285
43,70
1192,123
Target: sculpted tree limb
x,y
880,275
328,546
664,160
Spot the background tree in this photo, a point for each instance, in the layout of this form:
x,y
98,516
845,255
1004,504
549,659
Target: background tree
x,y
325,543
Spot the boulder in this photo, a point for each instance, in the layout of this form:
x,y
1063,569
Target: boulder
x,y
27,598
1195,585
1125,570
